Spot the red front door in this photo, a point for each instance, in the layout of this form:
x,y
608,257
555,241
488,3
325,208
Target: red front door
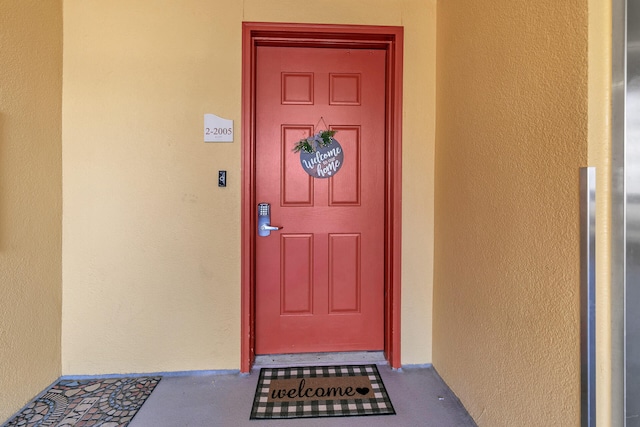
x,y
320,280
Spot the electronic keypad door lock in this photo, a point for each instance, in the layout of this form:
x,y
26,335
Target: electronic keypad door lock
x,y
264,220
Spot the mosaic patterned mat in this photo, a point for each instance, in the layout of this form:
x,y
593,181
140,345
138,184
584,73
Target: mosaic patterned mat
x,y
322,391
80,403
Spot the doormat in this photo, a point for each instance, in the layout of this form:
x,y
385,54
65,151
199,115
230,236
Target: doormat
x,y
321,391
97,402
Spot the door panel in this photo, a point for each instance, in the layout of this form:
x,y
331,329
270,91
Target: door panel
x,y
320,280
345,286
297,190
297,274
344,188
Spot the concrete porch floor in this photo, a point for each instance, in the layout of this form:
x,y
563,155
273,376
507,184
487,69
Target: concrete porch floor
x,y
418,394
224,398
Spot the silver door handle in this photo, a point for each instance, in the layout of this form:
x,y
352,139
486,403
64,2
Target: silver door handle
x,y
267,227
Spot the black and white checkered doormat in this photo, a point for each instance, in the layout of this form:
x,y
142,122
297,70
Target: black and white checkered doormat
x,y
320,391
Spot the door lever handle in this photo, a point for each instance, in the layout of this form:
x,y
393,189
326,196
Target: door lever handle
x,y
267,227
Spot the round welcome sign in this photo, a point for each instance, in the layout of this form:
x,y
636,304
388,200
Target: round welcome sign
x,y
325,162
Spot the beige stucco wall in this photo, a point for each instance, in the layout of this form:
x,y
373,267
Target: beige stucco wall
x,y
151,244
30,199
511,135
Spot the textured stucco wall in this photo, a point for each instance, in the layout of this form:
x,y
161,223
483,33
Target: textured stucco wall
x,y
151,245
30,199
511,135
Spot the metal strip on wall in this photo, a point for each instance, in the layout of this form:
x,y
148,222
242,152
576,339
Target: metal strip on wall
x,y
625,214
587,295
632,216
618,210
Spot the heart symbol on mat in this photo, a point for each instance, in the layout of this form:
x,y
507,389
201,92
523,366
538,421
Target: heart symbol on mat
x,y
362,390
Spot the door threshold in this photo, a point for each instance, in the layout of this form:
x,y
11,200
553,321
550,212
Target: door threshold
x,y
320,359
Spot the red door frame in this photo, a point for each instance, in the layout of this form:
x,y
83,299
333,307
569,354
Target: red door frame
x,y
320,35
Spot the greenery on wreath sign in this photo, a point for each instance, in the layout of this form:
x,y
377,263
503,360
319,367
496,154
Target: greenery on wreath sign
x,y
312,143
